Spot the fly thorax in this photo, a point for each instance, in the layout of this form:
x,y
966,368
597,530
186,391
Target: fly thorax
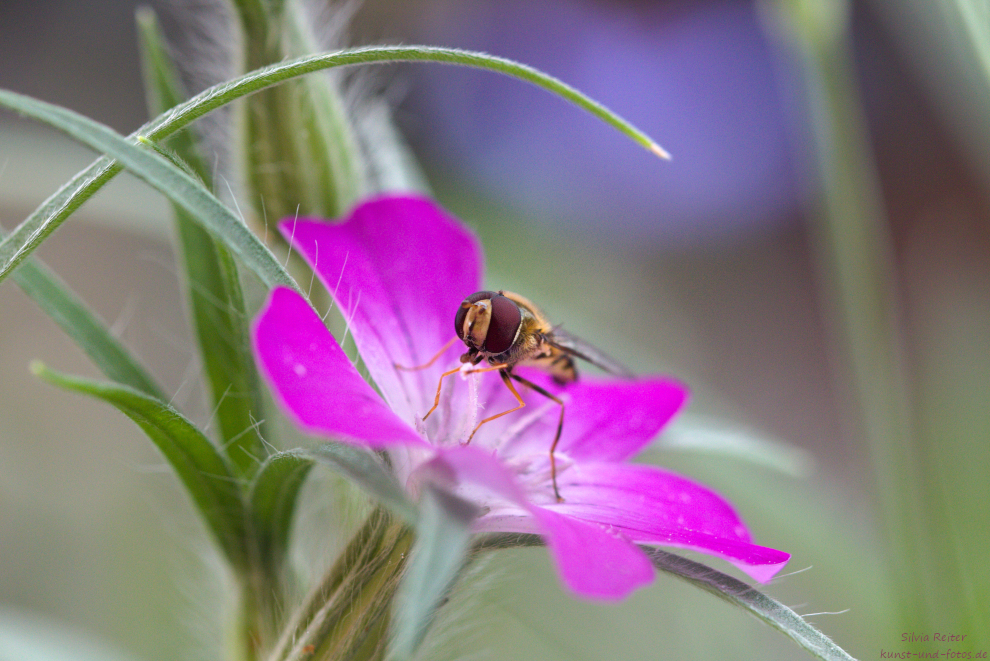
x,y
528,342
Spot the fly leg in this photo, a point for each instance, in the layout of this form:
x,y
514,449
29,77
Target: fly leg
x,y
403,368
504,373
436,402
560,423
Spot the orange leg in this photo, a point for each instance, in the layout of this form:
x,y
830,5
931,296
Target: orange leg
x,y
430,362
505,379
436,402
560,428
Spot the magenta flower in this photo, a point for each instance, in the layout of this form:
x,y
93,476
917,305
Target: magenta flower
x,y
399,268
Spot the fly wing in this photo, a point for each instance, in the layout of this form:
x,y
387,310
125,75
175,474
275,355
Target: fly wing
x,y
575,346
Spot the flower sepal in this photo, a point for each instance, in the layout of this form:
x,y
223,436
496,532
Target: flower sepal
x,y
443,535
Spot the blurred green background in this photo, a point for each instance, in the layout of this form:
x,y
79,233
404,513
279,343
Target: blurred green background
x,y
815,262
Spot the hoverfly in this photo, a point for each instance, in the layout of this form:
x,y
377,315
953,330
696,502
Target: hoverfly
x,y
506,329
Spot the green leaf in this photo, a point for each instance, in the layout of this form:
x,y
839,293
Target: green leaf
x,y
740,594
213,287
273,500
163,88
723,586
256,17
171,156
205,473
34,229
40,224
439,552
251,10
224,93
87,330
367,472
164,176
221,324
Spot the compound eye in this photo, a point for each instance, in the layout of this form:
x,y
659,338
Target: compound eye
x,y
459,321
462,311
503,326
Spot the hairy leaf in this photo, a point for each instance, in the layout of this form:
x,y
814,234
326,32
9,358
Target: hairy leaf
x,y
169,179
367,472
213,286
273,501
205,473
721,585
40,224
83,325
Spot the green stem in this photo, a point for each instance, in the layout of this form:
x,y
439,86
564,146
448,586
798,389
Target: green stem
x,y
345,617
255,624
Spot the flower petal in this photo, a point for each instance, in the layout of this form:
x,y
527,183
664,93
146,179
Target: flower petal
x,y
314,380
399,267
604,419
655,506
611,420
593,560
